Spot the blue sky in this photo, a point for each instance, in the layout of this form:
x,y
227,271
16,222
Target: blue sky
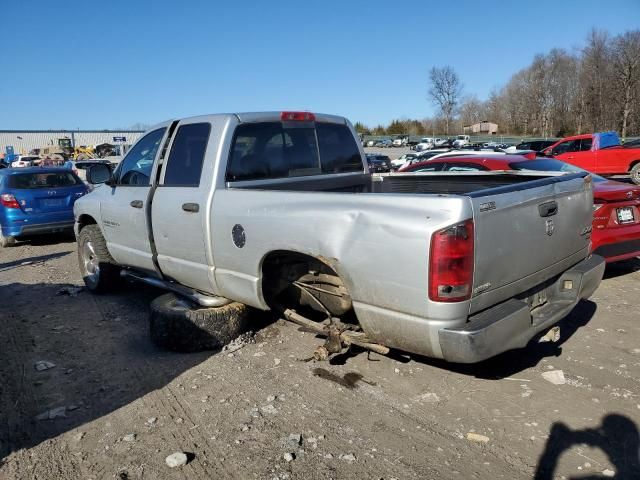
x,y
367,60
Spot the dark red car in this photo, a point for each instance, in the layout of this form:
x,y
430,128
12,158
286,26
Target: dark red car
x,y
616,205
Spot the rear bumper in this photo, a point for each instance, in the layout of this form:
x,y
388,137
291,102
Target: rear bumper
x,y
512,324
37,229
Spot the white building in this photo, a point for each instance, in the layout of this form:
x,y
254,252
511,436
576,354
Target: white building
x,y
24,140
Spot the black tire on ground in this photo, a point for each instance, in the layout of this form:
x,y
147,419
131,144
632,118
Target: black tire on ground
x,y
6,241
176,324
99,270
635,174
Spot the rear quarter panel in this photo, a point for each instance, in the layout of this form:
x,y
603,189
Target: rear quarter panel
x,y
379,244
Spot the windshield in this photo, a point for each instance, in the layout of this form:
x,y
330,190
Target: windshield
x,y
550,165
27,181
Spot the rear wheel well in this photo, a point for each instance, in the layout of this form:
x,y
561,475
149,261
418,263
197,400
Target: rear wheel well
x,y
306,284
633,164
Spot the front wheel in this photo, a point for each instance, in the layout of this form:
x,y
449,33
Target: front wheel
x,y
99,270
635,174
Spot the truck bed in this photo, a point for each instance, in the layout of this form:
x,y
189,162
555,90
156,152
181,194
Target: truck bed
x,y
449,183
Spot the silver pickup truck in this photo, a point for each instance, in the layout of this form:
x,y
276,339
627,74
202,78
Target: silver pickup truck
x,y
278,211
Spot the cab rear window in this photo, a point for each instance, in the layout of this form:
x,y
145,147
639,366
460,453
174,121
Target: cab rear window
x,y
269,150
28,181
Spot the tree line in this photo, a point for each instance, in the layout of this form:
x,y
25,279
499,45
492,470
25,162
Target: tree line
x,y
594,88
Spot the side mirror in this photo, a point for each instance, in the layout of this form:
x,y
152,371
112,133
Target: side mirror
x,y
99,173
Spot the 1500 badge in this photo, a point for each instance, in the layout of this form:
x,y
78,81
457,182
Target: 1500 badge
x,y
109,223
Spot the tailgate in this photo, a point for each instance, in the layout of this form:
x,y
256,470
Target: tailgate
x,y
528,233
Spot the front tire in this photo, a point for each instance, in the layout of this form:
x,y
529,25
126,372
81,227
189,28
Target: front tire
x,y
176,324
99,270
634,173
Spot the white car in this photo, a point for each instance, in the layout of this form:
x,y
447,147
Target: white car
x,y
401,160
24,161
461,140
461,153
426,143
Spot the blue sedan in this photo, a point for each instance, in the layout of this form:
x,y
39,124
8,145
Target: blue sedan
x,y
36,201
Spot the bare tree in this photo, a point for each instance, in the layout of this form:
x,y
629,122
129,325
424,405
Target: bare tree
x,y
626,70
445,90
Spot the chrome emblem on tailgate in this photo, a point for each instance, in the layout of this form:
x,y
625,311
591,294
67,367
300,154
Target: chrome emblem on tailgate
x,y
549,227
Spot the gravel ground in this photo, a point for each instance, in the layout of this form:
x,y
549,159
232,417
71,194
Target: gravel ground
x,y
105,403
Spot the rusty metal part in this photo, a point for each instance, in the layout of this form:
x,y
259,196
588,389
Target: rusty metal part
x,y
346,337
320,354
334,342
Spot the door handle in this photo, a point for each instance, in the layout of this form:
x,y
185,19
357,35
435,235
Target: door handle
x,y
548,209
136,203
191,207
570,157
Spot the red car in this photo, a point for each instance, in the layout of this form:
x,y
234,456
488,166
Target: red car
x,y
616,205
598,153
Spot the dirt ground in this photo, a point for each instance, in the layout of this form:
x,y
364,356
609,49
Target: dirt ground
x,y
115,406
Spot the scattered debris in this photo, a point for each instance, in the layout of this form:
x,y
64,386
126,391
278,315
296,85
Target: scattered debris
x,y
552,335
259,354
554,376
43,365
151,420
608,473
476,437
289,456
70,291
53,413
177,459
294,439
429,397
131,437
272,398
269,409
239,342
349,457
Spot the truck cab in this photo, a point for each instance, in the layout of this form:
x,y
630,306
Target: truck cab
x,y
600,153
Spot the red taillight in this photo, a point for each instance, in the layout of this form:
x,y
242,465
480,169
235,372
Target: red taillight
x,y
451,263
297,117
9,201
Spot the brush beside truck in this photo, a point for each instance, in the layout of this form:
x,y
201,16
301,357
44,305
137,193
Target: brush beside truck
x,y
600,153
279,211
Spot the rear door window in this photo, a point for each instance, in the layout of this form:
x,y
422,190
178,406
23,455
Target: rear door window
x,y
184,165
585,144
29,181
338,150
271,150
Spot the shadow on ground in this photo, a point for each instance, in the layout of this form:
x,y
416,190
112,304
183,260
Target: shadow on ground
x,y
24,262
102,353
617,437
625,267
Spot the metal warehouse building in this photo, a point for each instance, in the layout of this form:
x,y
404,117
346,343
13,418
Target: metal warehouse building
x,y
24,140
